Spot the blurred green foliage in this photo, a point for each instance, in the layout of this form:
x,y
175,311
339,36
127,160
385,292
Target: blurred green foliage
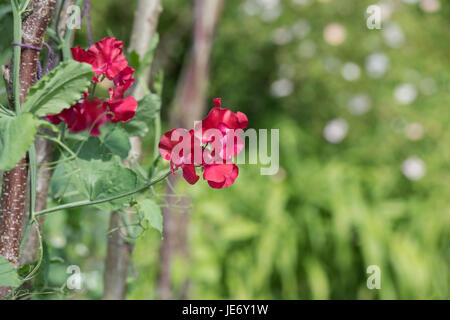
x,y
333,209
312,230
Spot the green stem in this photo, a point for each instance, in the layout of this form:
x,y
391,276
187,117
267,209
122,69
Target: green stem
x,y
67,55
157,136
17,37
58,16
62,144
93,202
41,252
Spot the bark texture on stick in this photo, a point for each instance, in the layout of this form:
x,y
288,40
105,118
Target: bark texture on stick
x,y
14,186
188,106
44,154
119,252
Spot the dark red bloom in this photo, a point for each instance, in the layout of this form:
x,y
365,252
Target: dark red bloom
x,y
84,115
107,59
214,160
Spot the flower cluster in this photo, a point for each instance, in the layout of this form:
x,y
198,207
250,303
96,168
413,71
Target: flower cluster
x,y
210,146
107,60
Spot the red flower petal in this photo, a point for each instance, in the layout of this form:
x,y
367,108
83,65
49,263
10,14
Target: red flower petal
x,y
125,77
94,114
87,114
234,141
108,57
186,152
220,175
189,173
217,102
81,55
242,119
218,116
123,110
166,144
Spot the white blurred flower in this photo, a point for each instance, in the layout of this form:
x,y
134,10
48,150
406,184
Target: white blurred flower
x,y
269,4
334,34
428,86
58,241
359,104
250,7
386,10
301,28
430,5
414,168
307,48
282,88
81,250
350,71
414,131
405,93
92,280
271,9
335,130
377,64
393,35
282,36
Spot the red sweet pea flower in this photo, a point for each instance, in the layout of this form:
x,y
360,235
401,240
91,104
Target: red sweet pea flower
x,y
222,119
108,57
213,160
107,60
84,115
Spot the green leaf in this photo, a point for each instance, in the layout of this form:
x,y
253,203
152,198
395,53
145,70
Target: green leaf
x,y
118,142
113,142
93,148
134,59
147,110
151,214
98,179
16,137
8,275
59,89
61,184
